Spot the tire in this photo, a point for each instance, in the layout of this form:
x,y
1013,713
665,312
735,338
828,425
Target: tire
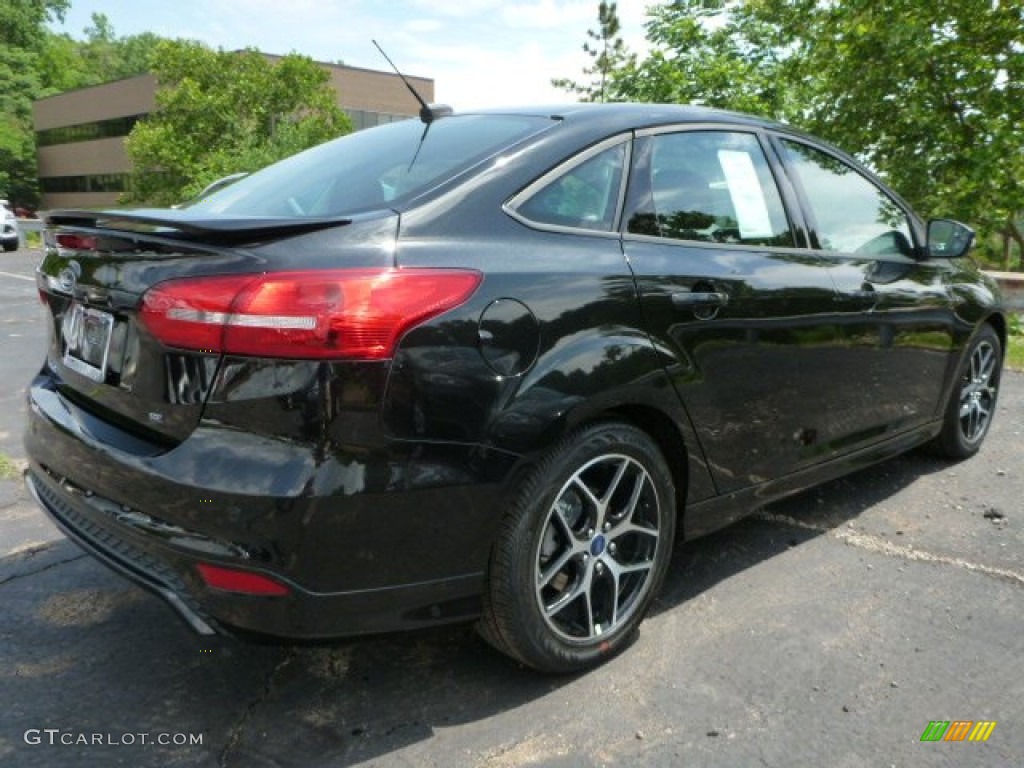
x,y
10,245
583,549
972,403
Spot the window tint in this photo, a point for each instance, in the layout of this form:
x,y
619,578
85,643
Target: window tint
x,y
585,196
375,168
713,186
852,214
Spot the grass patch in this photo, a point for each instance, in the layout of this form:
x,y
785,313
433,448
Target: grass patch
x,y
8,469
1015,343
1015,353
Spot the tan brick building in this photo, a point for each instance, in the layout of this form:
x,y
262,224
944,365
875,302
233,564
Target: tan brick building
x,y
80,134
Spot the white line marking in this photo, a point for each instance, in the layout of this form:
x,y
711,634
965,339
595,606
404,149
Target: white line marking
x,y
884,547
17,277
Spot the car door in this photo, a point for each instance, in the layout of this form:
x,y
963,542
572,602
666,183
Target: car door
x,y
743,314
896,311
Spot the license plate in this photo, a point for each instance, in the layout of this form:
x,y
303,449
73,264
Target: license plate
x,y
86,334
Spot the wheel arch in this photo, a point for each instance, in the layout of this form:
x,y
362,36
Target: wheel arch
x,y
998,322
679,453
626,381
679,448
670,442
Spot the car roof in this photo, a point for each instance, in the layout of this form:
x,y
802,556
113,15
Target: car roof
x,y
588,120
627,115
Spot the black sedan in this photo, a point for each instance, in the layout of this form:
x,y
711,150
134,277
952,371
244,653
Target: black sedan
x,y
491,366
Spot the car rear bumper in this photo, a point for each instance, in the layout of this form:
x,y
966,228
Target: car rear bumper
x,y
155,528
115,552
302,614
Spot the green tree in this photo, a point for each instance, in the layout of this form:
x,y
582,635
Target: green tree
x,y
608,52
22,38
703,52
222,112
930,93
35,62
67,63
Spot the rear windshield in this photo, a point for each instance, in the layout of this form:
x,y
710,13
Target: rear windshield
x,y
371,169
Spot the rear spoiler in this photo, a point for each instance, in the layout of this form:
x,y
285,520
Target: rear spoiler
x,y
187,225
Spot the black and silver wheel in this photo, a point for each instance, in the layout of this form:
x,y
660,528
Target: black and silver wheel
x,y
972,403
583,549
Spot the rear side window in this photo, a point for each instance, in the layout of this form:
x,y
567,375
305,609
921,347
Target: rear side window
x,y
584,197
852,214
377,168
714,187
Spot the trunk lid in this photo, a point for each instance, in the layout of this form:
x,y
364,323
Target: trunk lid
x,y
98,266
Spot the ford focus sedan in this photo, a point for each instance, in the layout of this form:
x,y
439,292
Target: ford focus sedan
x,y
491,367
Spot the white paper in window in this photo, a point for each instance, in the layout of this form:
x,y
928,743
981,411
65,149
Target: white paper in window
x,y
745,191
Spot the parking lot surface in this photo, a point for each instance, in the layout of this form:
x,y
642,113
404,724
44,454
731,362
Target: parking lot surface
x,y
826,630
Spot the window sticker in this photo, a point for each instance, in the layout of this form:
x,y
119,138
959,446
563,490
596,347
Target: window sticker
x,y
746,193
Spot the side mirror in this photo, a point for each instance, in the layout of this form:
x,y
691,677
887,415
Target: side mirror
x,y
948,239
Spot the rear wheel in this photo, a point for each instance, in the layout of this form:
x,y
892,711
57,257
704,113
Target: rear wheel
x,y
583,549
972,404
10,245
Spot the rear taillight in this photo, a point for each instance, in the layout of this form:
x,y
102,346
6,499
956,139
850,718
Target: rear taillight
x,y
75,242
342,314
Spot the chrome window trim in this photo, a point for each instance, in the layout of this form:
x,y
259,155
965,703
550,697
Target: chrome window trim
x,y
760,135
511,205
914,222
796,250
703,126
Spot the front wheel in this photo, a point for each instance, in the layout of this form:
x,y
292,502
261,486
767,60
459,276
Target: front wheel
x,y
972,404
583,549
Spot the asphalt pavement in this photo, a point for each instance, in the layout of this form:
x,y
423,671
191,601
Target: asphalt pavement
x,y
826,630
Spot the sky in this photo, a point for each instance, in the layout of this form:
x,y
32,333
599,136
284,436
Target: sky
x,y
480,53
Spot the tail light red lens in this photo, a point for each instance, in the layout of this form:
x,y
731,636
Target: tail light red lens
x,y
77,242
340,314
245,582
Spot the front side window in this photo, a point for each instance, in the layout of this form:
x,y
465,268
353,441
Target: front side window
x,y
584,197
851,214
712,186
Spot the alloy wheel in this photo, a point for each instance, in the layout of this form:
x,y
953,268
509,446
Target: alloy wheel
x,y
595,556
978,394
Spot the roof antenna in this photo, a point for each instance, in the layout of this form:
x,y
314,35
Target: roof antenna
x,y
428,112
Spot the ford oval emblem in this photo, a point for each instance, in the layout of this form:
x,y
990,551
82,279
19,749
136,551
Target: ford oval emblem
x,y
66,279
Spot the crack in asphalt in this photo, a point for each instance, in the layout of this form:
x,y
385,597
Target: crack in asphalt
x,y
48,566
235,733
883,546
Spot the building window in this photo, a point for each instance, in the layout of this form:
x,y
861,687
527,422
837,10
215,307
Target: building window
x,y
101,182
362,119
103,129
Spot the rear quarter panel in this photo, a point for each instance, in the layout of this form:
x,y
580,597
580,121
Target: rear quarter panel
x,y
593,353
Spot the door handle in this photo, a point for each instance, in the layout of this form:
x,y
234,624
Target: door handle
x,y
699,299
